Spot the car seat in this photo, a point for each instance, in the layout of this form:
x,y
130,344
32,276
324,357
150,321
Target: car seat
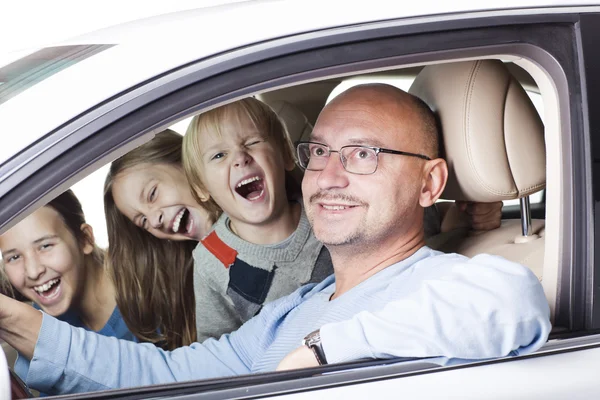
x,y
493,142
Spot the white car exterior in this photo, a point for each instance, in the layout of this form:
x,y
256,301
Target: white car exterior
x,y
141,57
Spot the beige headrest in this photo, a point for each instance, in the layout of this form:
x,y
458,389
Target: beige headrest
x,y
295,121
493,137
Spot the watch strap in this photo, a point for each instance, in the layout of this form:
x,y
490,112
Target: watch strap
x,y
313,342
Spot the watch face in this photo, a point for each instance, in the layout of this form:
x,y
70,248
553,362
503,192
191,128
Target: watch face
x,y
312,338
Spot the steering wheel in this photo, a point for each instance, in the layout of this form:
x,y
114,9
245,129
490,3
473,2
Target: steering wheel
x,y
18,389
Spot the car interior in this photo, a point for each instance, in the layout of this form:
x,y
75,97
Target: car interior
x,y
493,139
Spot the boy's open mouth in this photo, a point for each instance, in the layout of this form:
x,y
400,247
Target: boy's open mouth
x,y
182,222
48,290
251,188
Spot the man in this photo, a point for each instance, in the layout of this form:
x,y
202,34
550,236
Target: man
x,y
372,166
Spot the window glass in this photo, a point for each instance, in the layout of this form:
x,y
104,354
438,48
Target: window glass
x,y
25,72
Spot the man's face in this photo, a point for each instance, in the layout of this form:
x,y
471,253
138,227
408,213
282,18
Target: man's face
x,y
348,209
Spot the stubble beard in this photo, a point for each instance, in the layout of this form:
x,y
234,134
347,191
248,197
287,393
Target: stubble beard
x,y
336,238
364,237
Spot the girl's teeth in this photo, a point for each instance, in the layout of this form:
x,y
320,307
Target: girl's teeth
x,y
178,221
45,286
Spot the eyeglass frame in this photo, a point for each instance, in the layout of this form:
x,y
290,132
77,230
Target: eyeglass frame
x,y
374,148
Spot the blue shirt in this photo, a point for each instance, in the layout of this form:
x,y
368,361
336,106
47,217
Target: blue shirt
x,y
115,327
442,306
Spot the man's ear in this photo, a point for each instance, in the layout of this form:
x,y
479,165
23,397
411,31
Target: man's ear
x,y
434,182
90,243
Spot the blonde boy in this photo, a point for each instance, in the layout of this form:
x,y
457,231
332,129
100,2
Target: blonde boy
x,y
262,247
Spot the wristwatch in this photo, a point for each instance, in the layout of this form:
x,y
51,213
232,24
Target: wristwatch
x,y
313,342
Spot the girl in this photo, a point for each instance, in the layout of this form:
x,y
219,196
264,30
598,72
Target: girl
x,y
50,259
153,225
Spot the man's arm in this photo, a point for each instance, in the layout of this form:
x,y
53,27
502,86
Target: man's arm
x,y
19,325
71,360
481,308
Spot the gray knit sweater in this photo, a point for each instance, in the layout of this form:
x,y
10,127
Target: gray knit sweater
x,y
229,295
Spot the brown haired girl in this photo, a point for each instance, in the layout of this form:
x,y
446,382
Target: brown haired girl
x,y
50,258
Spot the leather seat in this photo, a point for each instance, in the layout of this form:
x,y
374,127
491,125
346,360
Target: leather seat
x,y
493,142
299,128
295,121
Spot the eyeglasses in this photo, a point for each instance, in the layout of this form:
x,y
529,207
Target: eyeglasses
x,y
361,160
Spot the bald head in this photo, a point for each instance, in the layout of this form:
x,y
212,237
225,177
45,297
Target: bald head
x,y
394,110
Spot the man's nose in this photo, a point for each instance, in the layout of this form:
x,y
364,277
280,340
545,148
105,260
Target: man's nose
x,y
241,158
34,268
333,175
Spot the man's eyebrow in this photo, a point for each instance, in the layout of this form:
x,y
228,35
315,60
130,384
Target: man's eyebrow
x,y
316,138
358,141
367,142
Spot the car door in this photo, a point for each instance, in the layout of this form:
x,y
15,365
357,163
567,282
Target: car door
x,y
556,45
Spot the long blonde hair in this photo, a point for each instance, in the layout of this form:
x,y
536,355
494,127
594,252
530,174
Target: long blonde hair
x,y
153,277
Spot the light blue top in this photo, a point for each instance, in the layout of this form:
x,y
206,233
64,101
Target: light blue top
x,y
430,305
115,327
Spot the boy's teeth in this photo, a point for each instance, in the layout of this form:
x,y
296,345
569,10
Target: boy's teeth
x,y
45,286
178,220
247,181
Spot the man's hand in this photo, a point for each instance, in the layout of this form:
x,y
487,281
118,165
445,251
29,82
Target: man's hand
x,y
302,357
19,325
482,216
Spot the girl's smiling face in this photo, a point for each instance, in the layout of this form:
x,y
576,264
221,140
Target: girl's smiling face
x,y
158,198
44,261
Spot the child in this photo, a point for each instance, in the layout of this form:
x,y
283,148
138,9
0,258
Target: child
x,y
151,264
50,258
262,247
